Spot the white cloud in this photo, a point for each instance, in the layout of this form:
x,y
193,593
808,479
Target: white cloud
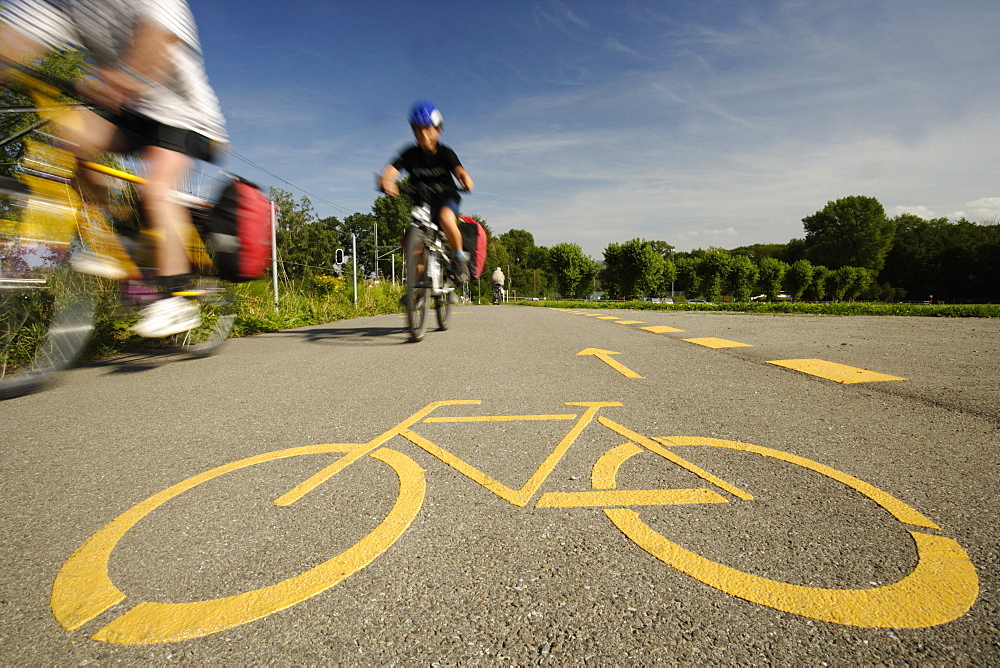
x,y
916,210
984,208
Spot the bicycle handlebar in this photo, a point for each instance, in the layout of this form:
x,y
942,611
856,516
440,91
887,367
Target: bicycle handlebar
x,y
46,84
424,191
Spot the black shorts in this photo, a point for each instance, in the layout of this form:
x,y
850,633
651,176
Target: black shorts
x,y
140,131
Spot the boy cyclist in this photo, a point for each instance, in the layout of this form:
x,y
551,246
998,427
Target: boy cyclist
x,y
430,162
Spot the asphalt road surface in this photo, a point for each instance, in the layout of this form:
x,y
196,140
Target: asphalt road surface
x,y
693,488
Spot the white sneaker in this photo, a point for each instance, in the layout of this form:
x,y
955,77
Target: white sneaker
x,y
89,262
164,317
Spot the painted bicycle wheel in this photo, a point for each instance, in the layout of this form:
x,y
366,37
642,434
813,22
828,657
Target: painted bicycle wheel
x,y
941,587
83,589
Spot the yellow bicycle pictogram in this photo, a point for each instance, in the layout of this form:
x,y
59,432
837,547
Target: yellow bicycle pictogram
x,y
941,587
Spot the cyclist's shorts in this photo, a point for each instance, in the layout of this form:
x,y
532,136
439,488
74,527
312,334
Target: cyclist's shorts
x,y
448,203
141,131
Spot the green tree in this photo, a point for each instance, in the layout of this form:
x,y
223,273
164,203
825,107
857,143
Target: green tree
x,y
520,245
688,276
952,261
798,278
852,231
497,255
359,229
573,271
632,269
713,270
743,276
306,245
818,289
772,276
846,283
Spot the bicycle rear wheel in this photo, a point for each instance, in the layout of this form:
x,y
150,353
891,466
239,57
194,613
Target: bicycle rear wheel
x,y
217,305
46,308
418,293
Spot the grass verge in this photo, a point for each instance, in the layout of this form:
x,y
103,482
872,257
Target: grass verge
x,y
829,308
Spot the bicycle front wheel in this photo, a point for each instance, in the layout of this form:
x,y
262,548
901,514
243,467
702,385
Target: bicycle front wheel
x,y
46,308
418,293
442,305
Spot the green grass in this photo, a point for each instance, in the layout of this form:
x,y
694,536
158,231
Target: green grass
x,y
300,304
831,308
325,299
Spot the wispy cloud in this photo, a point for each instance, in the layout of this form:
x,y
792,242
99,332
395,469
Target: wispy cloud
x,y
699,124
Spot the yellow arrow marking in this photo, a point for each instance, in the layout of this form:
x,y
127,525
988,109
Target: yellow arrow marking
x,y
604,356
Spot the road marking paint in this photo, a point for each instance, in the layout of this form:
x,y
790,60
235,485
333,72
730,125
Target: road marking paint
x,y
517,497
840,373
604,356
660,329
501,418
629,322
629,497
623,452
712,342
83,588
941,588
607,317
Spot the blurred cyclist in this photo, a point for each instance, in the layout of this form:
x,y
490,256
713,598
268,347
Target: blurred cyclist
x,y
498,279
431,162
149,75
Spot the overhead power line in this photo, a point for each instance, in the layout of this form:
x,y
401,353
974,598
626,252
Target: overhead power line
x,y
289,183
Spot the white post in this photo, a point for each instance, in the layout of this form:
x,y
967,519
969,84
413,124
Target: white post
x,y
274,253
354,261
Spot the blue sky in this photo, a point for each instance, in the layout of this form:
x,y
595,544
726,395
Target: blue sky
x,y
697,123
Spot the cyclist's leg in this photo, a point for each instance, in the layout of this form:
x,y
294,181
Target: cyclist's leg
x,y
89,136
448,220
169,220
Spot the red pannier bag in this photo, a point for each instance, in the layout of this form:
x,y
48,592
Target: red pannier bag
x,y
474,243
239,231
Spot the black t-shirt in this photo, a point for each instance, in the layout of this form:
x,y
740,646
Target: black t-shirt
x,y
431,168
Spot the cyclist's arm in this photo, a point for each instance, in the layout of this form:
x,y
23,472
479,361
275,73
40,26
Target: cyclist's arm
x,y
464,179
387,182
144,65
17,47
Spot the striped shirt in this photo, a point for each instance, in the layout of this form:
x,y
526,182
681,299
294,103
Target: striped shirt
x,y
105,29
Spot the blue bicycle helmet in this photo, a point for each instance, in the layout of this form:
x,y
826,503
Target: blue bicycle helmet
x,y
425,114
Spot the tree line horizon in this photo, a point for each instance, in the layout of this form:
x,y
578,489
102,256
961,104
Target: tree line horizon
x,y
851,250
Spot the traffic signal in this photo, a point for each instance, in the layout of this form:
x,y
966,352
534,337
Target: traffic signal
x,y
338,256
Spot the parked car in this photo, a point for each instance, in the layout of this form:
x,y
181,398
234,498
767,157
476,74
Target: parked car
x,y
697,301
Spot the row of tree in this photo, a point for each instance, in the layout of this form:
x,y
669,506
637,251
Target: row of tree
x,y
851,250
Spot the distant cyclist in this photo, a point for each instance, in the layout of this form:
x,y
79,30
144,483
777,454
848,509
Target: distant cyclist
x,y
432,163
498,279
149,75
